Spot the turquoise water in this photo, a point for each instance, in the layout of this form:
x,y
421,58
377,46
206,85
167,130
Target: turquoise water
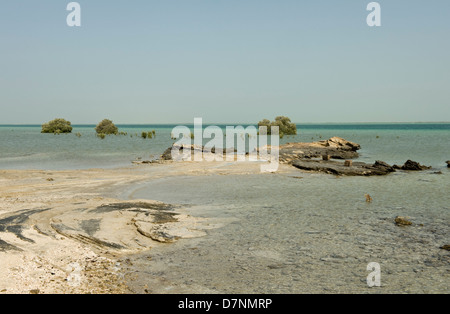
x,y
24,147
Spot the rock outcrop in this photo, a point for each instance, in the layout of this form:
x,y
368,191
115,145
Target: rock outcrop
x,y
402,221
184,151
412,166
305,156
335,148
338,168
448,163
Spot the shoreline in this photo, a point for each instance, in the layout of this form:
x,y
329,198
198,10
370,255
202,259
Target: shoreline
x,y
57,227
42,247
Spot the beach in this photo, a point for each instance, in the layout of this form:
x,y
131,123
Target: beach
x,y
37,256
219,227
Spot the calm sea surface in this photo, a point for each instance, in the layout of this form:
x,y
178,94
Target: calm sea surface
x,y
24,147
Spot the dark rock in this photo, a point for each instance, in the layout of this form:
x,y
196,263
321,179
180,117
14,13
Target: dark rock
x,y
448,163
339,168
136,206
445,247
145,162
167,155
402,221
414,166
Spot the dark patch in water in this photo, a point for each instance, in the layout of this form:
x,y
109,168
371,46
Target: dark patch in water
x,y
123,206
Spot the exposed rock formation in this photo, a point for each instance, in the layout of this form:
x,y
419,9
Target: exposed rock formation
x,y
448,163
402,221
412,166
335,147
184,152
338,168
306,156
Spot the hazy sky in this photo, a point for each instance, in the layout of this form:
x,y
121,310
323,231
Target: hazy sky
x,y
227,61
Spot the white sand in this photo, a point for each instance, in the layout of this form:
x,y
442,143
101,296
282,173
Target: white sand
x,y
60,244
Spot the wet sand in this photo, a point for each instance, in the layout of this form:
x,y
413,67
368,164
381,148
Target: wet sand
x,y
71,231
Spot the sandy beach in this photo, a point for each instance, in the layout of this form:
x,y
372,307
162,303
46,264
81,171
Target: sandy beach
x,y
70,231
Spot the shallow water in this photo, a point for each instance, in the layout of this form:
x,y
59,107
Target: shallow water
x,y
316,234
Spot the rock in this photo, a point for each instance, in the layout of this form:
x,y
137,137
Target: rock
x,y
339,168
445,247
448,163
339,142
184,151
402,221
144,162
335,147
167,155
348,163
413,166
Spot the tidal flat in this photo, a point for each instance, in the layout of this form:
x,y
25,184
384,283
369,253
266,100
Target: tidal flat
x,y
221,227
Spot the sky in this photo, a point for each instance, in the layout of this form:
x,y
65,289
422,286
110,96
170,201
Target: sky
x,y
226,61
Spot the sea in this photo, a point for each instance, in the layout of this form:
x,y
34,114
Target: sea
x,y
283,233
24,147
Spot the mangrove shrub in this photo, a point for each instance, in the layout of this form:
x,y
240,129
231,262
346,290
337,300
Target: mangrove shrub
x,y
286,127
57,126
106,127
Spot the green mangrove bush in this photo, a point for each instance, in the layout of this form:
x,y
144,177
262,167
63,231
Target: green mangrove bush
x,y
57,126
106,127
286,127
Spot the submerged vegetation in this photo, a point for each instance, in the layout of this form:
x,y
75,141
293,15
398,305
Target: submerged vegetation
x,y
57,126
148,135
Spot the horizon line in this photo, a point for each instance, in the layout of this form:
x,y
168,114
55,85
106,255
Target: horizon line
x,y
241,123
